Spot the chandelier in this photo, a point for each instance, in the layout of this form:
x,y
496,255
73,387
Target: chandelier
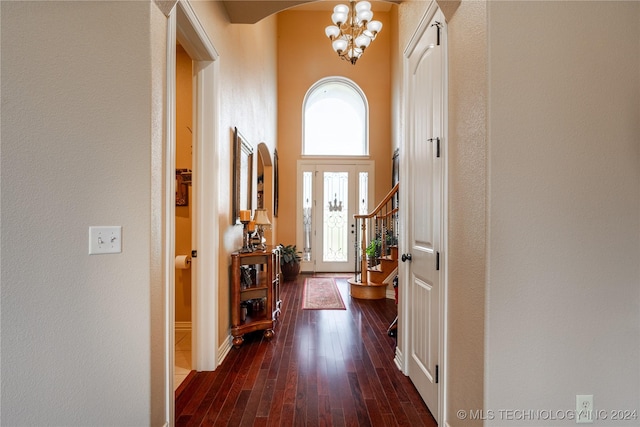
x,y
353,30
335,206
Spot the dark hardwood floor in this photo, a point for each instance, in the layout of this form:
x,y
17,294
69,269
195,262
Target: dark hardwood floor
x,y
322,368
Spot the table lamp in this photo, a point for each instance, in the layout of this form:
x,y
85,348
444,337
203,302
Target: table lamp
x,y
262,221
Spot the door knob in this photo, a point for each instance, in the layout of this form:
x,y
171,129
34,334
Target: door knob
x,y
406,257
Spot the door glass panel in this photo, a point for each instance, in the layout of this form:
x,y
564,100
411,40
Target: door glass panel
x,y
363,191
307,204
336,207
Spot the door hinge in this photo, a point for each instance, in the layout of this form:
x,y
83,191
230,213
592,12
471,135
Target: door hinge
x,y
437,141
437,374
194,254
438,25
437,261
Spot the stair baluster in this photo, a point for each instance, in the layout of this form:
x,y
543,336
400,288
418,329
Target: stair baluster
x,y
377,233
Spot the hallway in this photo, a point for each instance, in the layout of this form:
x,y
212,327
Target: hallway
x,y
325,367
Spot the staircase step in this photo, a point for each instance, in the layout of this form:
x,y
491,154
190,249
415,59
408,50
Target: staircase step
x,y
367,290
394,252
376,276
385,263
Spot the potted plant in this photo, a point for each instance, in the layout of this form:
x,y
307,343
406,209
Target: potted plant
x,y
373,251
289,262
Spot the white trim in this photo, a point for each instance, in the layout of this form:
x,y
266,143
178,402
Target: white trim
x,y
399,359
389,279
225,348
195,41
192,35
168,170
390,292
444,300
183,25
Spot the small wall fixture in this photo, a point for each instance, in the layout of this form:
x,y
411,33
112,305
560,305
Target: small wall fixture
x,y
183,181
353,31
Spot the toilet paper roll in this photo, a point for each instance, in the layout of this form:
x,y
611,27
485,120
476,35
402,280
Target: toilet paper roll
x,y
183,262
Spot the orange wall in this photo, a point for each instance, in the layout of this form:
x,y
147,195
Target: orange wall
x,y
183,161
247,93
304,57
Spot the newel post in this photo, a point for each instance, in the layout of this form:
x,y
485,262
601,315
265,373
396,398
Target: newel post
x,y
363,251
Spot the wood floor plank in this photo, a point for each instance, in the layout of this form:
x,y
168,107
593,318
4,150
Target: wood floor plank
x,y
221,406
359,401
322,368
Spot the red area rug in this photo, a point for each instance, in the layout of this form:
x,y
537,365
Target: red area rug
x,y
321,293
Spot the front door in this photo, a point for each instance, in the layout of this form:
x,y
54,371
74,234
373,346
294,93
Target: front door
x,y
330,195
424,203
335,202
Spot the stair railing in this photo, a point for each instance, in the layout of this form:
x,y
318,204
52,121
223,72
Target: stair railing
x,y
377,233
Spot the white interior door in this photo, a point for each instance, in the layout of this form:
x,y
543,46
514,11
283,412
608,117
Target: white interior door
x,y
330,195
424,203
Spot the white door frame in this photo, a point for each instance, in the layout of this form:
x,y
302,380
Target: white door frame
x,y
184,26
404,305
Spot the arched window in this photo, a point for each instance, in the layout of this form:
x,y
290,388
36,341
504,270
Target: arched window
x,y
335,119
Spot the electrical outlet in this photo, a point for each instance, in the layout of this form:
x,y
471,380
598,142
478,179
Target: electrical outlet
x,y
584,408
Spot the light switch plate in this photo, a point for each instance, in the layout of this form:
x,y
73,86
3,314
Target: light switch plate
x,y
105,240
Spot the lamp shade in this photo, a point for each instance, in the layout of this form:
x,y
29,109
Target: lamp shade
x,y
332,31
339,18
365,16
260,217
374,26
339,45
362,41
363,5
341,8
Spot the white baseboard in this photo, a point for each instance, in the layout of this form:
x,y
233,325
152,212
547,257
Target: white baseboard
x,y
391,293
398,360
224,349
390,277
182,326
